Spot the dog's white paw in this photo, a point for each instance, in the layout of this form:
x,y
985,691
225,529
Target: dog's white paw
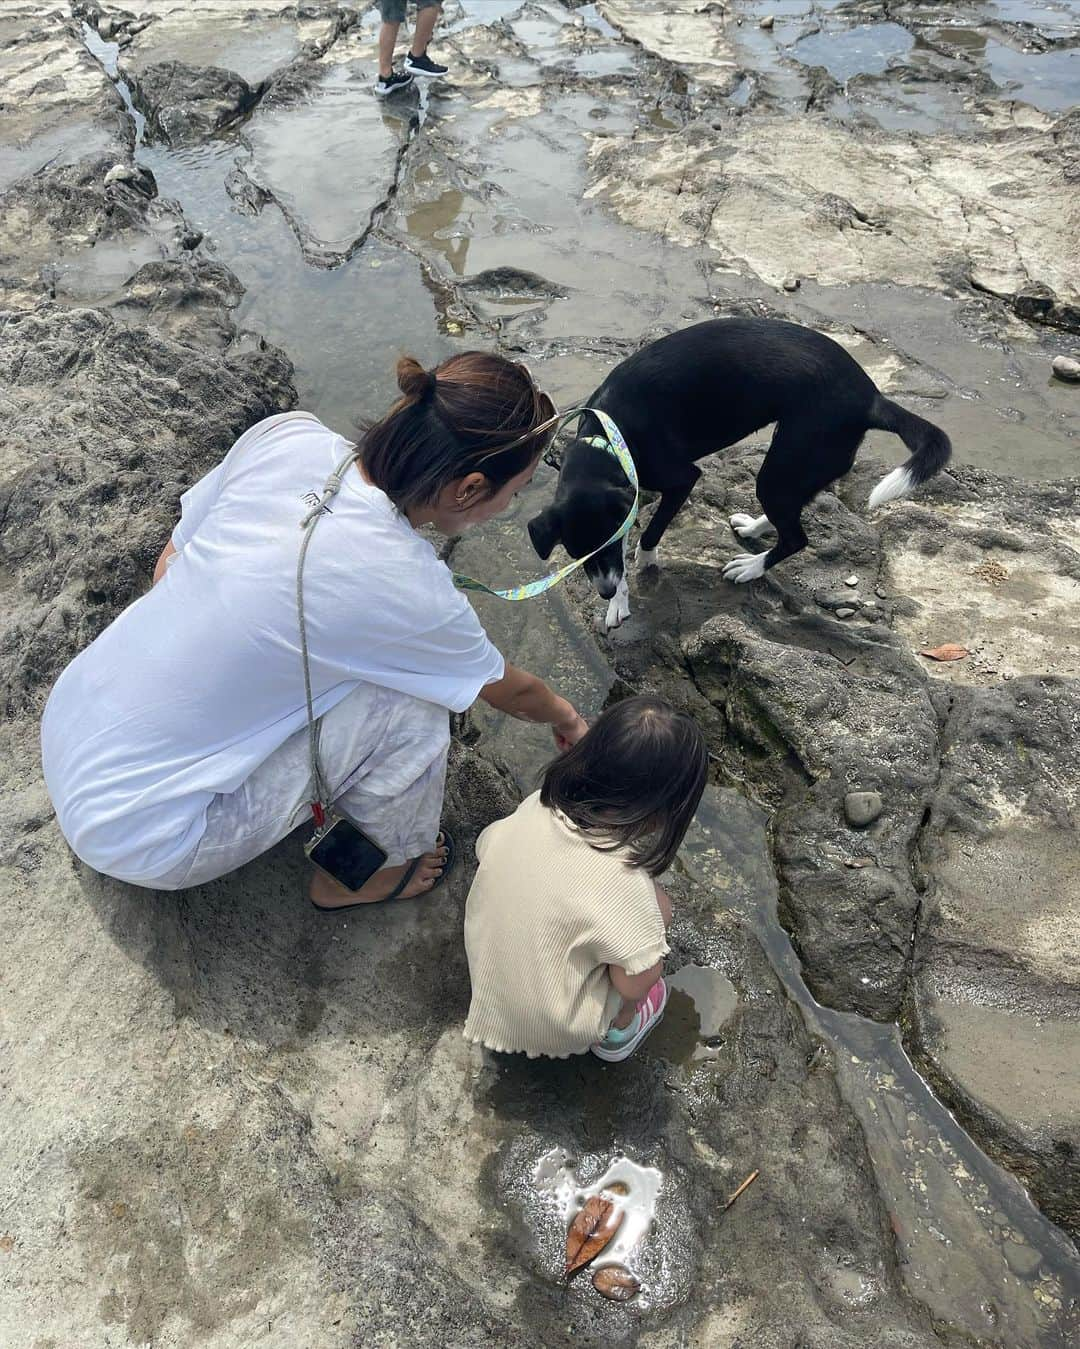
x,y
646,557
749,526
745,567
618,610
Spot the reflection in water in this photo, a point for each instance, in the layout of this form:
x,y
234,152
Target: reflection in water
x,y
429,220
328,158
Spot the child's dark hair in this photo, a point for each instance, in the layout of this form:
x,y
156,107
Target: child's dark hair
x,y
462,417
634,780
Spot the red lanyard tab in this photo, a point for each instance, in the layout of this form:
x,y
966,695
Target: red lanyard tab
x,y
319,814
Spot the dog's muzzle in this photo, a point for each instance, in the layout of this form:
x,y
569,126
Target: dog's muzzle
x,y
606,585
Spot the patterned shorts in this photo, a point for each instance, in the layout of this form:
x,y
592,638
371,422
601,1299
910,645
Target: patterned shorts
x,y
393,11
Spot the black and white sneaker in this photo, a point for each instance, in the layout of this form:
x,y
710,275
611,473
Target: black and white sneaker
x,y
397,79
424,66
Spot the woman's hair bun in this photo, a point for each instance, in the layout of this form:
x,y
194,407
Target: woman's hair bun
x,y
413,380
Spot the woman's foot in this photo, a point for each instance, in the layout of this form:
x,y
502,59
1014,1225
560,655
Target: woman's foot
x,y
327,894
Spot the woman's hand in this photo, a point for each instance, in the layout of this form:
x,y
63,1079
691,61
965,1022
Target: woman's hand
x,y
521,695
570,731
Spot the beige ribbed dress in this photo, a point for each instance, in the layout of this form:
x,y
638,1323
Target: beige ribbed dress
x,y
546,915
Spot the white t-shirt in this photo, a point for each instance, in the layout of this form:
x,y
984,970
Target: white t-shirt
x,y
200,680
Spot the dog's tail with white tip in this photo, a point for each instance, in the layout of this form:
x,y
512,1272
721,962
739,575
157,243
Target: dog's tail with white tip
x,y
929,445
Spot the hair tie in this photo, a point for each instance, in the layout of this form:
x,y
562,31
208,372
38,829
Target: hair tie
x,y
430,387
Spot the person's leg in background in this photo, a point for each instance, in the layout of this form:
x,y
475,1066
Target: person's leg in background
x,y
392,13
418,62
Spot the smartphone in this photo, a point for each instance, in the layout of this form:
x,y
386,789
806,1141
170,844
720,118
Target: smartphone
x,y
345,853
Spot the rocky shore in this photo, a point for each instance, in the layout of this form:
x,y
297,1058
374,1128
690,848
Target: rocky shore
x,y
226,1120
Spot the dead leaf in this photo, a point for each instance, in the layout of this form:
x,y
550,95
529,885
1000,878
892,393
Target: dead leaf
x,y
7,1243
950,651
590,1232
616,1282
617,1187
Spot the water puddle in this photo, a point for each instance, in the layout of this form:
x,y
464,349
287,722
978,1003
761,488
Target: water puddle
x,y
1047,80
700,1001
634,1189
867,49
443,223
548,1189
64,144
329,196
340,326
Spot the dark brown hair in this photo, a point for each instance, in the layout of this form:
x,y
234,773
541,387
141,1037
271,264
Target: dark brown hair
x,y
462,417
634,780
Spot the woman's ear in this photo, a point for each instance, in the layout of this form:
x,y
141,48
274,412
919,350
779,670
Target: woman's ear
x,y
545,530
471,490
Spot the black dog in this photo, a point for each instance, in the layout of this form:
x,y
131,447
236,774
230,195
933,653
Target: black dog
x,y
699,390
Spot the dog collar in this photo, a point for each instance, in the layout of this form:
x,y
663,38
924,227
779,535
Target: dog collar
x,y
613,442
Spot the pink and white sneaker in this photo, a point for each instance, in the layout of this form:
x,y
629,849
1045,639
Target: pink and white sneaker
x,y
620,1044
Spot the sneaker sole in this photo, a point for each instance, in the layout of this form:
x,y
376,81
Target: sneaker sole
x,y
428,74
386,93
624,1051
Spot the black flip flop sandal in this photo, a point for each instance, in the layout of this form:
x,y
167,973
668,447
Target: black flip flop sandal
x,y
447,841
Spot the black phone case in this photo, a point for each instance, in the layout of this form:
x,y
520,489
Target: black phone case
x,y
346,854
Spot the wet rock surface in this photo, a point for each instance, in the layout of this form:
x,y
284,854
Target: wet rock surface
x,y
229,1119
185,103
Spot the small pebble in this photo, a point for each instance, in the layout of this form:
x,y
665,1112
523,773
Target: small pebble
x,y
880,592
862,808
1065,367
852,580
767,22
791,283
845,612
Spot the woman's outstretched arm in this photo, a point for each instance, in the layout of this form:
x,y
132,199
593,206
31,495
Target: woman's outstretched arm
x,y
524,696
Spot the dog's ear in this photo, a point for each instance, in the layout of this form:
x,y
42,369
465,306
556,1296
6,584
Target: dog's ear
x,y
545,530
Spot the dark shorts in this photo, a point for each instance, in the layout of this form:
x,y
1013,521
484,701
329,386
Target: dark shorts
x,y
393,11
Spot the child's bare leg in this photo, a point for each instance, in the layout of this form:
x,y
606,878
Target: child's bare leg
x,y
632,987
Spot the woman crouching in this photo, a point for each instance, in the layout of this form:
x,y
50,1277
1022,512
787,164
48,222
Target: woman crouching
x,y
176,748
